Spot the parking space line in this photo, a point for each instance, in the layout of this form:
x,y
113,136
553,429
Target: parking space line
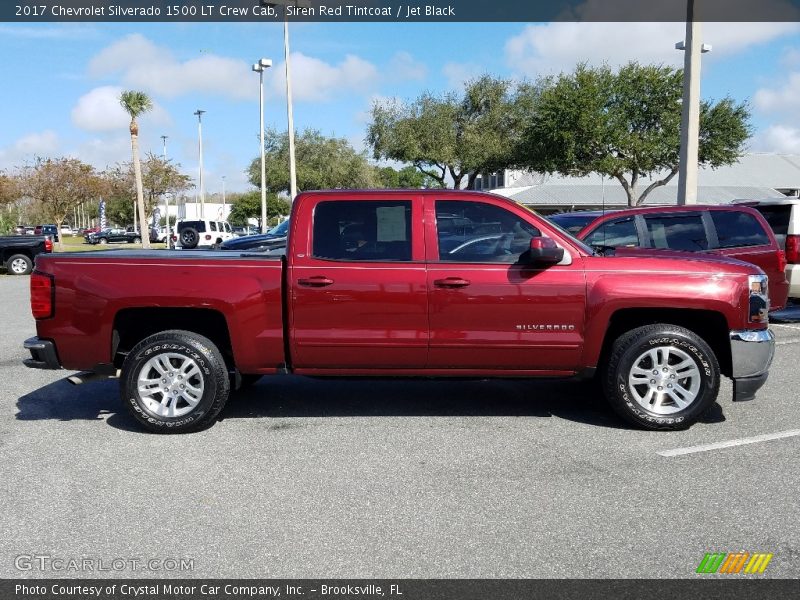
x,y
768,437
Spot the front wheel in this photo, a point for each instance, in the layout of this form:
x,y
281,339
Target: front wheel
x,y
137,240
174,382
102,241
661,377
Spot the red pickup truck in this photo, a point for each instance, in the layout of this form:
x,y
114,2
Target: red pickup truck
x,y
405,283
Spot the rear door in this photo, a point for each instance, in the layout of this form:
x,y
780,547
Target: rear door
x,y
488,310
357,283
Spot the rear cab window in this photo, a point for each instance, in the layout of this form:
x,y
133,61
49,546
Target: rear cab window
x,y
777,216
368,230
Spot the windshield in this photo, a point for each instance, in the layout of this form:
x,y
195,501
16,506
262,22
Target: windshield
x,y
280,230
572,222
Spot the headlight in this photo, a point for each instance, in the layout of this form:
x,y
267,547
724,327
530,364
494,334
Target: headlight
x,y
759,298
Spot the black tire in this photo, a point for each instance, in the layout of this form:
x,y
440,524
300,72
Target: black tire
x,y
191,348
190,238
137,240
678,346
19,264
102,241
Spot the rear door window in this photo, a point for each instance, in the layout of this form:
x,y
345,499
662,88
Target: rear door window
x,y
355,230
213,225
736,229
677,232
619,233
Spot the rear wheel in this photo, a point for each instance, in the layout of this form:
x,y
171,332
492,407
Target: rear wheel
x,y
137,240
19,264
661,377
175,381
190,238
102,241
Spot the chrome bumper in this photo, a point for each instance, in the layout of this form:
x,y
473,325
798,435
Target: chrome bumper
x,y
751,356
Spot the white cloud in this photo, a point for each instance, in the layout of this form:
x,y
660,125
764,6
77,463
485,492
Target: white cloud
x,y
404,67
783,98
28,147
318,81
555,47
144,65
100,110
61,32
457,74
778,138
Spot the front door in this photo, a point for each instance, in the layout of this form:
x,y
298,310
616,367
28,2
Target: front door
x,y
487,309
358,287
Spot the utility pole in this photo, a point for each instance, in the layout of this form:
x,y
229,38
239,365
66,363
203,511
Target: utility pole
x,y
166,195
199,114
690,109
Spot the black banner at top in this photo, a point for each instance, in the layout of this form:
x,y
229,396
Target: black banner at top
x,y
398,10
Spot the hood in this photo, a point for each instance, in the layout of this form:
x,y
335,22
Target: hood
x,y
677,254
263,240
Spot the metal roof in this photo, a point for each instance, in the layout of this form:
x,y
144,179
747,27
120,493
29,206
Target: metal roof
x,y
756,175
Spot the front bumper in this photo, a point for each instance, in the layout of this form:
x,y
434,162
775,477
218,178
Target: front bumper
x,y
43,354
751,356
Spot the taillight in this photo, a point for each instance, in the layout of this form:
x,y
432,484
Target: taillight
x,y
781,261
42,292
48,245
793,249
208,237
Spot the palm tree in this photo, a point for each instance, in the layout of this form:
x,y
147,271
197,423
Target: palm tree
x,y
136,104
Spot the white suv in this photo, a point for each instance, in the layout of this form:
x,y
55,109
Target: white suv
x,y
202,233
783,215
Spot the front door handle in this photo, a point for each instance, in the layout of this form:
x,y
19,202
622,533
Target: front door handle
x,y
451,282
316,281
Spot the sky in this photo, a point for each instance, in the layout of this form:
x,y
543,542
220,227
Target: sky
x,y
61,82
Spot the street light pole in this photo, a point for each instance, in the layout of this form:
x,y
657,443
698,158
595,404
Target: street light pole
x,y
289,111
259,67
166,195
223,198
199,114
690,110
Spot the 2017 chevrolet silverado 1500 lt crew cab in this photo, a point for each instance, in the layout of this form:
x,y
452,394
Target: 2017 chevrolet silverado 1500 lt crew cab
x,y
405,283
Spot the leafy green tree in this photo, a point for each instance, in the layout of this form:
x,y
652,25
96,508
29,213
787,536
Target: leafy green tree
x,y
59,184
451,138
248,205
322,163
136,104
158,176
406,178
623,124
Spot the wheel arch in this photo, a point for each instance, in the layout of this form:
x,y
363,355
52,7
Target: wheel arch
x,y
132,325
711,326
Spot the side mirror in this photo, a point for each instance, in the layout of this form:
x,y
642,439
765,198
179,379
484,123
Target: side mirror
x,y
544,251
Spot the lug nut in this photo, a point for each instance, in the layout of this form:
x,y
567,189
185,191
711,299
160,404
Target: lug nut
x,y
655,371
660,388
665,369
669,385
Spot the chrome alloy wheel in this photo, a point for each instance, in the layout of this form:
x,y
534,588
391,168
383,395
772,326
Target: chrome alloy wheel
x,y
664,380
170,385
18,266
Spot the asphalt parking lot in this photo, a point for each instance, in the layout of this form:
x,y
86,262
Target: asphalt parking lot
x,y
329,478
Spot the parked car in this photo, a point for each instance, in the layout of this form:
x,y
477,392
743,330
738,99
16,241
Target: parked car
x,y
113,235
658,330
733,231
50,230
783,215
20,230
201,233
273,240
241,231
67,230
18,254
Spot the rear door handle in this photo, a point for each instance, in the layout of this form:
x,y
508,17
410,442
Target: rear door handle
x,y
451,282
316,281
